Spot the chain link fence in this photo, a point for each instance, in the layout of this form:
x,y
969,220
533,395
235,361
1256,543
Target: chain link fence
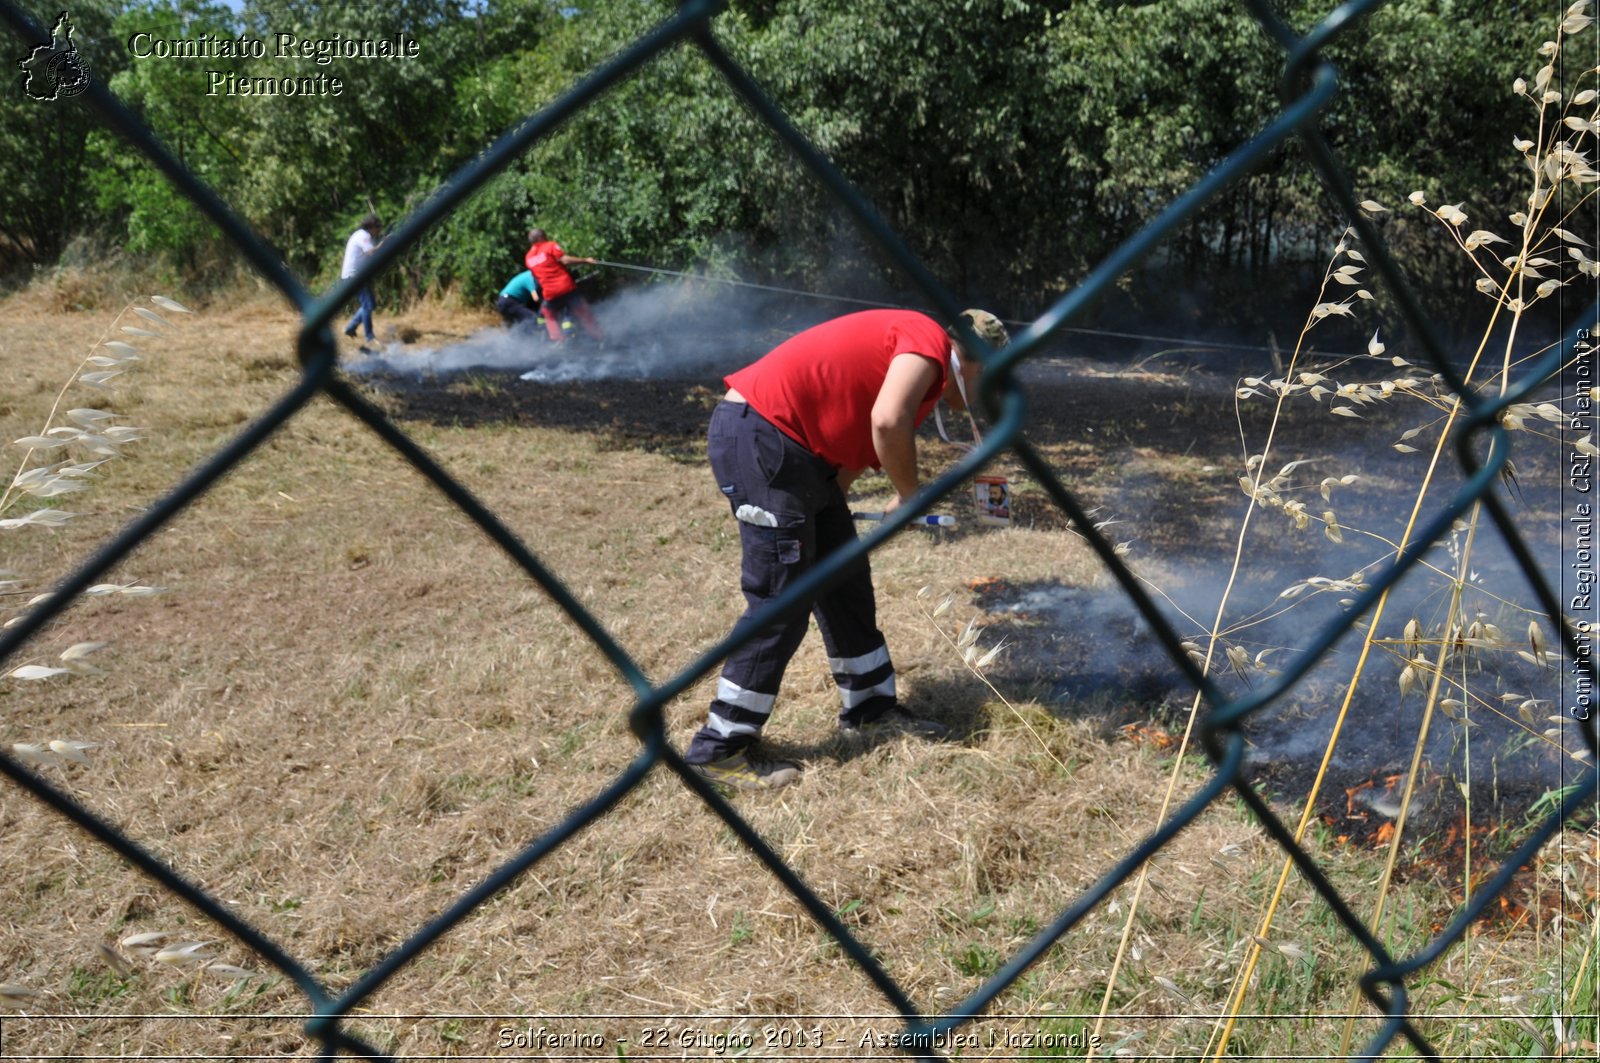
x,y
1484,449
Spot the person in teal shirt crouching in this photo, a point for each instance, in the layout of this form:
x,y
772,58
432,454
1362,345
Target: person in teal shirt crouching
x,y
519,301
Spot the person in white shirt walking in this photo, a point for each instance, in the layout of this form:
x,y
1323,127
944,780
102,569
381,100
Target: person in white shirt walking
x,y
356,249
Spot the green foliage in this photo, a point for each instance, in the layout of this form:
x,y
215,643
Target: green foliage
x,y
89,989
978,960
45,157
1159,94
479,247
304,170
1013,144
1428,105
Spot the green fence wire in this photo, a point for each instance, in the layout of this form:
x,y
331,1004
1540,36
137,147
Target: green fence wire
x,y
1309,84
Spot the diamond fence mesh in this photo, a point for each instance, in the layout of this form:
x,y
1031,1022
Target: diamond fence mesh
x,y
1484,449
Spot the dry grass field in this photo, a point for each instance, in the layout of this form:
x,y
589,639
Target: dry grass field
x,y
345,708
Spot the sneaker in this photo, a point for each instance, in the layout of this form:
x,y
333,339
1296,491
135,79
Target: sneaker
x,y
349,333
745,773
898,720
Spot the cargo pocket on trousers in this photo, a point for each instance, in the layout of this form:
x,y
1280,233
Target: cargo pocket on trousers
x,y
789,551
773,552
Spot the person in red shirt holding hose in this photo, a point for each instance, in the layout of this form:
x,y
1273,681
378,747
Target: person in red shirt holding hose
x,y
791,435
549,262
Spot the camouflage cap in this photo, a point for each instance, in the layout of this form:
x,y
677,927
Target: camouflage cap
x,y
988,328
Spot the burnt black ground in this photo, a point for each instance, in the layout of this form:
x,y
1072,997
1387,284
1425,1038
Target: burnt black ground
x,y
1161,453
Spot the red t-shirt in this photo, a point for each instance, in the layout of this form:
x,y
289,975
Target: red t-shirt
x,y
819,386
544,259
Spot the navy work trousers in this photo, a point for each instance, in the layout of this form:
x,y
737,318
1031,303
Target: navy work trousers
x,y
791,513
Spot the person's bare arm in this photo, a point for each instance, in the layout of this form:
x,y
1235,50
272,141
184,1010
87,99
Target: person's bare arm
x,y
894,421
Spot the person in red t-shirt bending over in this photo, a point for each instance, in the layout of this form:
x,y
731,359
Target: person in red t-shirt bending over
x,y
549,265
793,432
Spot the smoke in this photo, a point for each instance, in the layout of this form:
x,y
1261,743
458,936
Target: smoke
x,y
666,331
1085,644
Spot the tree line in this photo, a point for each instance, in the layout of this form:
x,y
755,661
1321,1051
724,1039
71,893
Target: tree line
x,y
1011,143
